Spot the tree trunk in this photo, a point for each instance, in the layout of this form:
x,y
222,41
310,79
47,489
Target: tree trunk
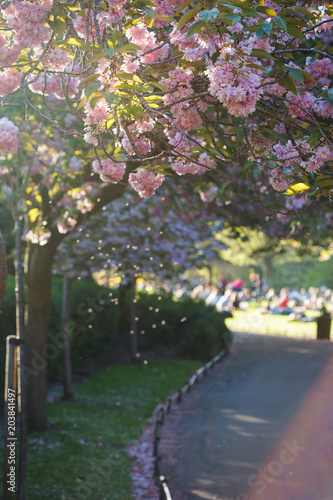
x,y
66,354
134,323
3,268
124,341
37,349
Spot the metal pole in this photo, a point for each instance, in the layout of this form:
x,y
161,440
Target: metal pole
x,y
10,463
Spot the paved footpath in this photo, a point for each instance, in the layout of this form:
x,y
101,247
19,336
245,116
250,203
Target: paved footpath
x,y
259,428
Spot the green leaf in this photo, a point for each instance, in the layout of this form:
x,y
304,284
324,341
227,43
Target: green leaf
x,y
196,28
324,180
308,76
148,11
288,83
58,26
255,66
208,15
158,85
96,57
296,32
183,6
329,97
27,137
91,89
261,54
116,36
83,101
296,74
266,10
95,100
280,23
188,16
233,17
75,41
265,27
129,47
111,99
89,78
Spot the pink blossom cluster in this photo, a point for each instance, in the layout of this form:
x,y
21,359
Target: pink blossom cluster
x,y
8,53
142,145
145,182
9,138
136,142
130,65
235,86
185,115
279,180
163,8
319,69
47,84
105,75
55,59
291,154
66,225
27,19
310,103
38,237
104,19
9,81
306,100
83,204
140,35
109,170
182,167
321,155
100,113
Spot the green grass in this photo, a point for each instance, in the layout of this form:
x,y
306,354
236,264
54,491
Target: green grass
x,y
82,455
253,322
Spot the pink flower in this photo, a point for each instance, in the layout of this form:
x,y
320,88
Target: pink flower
x,y
145,182
56,59
235,87
279,180
8,54
9,139
28,22
109,170
9,81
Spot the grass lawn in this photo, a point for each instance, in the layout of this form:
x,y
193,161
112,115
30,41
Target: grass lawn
x,y
253,322
82,455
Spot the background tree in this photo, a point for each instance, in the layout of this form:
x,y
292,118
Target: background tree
x,y
3,268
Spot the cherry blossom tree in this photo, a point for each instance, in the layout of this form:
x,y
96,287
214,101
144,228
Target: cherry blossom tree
x,y
186,87
137,237
225,92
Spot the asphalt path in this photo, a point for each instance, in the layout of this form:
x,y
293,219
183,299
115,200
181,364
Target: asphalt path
x,y
259,428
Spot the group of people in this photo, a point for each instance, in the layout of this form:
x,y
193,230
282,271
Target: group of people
x,y
229,296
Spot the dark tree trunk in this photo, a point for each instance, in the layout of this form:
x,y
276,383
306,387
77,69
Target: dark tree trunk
x,y
134,323
37,349
66,355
